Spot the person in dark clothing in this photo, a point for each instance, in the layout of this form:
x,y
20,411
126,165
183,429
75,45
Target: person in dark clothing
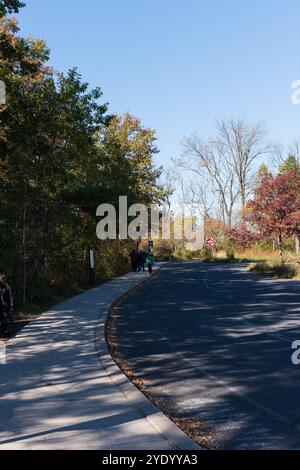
x,y
7,299
141,261
3,321
145,254
134,260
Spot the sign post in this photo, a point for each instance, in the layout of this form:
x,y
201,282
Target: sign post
x,y
2,93
91,261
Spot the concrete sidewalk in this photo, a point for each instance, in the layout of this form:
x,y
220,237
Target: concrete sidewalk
x,y
60,388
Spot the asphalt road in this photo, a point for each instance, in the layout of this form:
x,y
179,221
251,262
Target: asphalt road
x,y
213,343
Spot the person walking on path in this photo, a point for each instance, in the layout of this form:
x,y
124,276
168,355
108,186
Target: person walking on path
x,y
3,321
141,261
150,261
134,260
7,298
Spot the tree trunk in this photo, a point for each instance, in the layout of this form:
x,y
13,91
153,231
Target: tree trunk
x,y
24,255
243,204
297,242
280,244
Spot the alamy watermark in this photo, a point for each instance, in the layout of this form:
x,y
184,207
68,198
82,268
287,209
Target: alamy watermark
x,y
2,354
139,222
2,93
295,97
296,353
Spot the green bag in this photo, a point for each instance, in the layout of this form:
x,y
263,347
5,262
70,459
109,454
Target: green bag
x,y
150,260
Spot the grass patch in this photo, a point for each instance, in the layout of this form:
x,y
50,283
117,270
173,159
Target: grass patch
x,y
182,254
276,269
256,254
36,309
249,255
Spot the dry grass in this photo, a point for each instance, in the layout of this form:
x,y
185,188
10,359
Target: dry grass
x,y
247,255
276,269
256,254
264,262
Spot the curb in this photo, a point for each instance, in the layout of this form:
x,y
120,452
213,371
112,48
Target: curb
x,y
173,436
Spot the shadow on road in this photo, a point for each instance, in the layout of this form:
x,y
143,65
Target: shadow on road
x,y
213,343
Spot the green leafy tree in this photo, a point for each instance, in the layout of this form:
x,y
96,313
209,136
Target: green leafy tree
x,y
61,156
129,149
123,166
52,128
22,67
262,170
47,145
291,163
10,6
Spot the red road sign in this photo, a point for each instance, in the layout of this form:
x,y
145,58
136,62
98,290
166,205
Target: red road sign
x,y
210,241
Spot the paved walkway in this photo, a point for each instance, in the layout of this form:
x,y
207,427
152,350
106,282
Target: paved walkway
x,y
60,388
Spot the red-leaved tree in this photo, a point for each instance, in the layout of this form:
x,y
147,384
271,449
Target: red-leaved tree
x,y
275,209
243,236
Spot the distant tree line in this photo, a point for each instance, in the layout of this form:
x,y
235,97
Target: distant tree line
x,y
244,203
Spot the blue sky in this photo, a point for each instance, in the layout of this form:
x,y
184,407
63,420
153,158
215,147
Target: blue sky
x,y
179,65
